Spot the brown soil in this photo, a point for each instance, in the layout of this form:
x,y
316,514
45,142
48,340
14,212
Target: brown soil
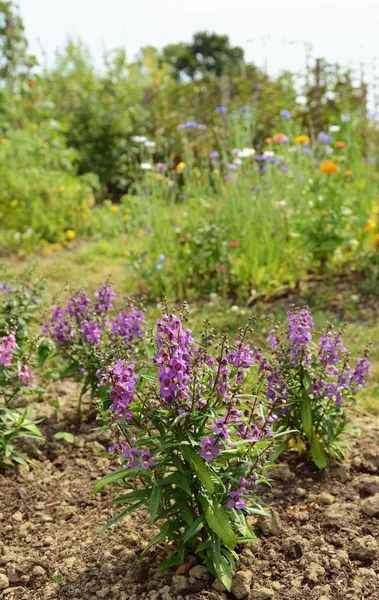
x,y
317,544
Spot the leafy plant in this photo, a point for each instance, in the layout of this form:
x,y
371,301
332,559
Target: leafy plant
x,y
192,440
315,384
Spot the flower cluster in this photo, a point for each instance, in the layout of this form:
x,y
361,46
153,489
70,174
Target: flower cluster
x,y
7,344
88,330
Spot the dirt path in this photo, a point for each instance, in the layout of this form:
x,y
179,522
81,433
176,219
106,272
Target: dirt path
x,y
317,544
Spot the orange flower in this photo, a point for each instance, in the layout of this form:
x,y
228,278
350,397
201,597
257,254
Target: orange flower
x,y
235,243
348,173
375,241
340,144
328,167
268,140
278,137
182,239
302,139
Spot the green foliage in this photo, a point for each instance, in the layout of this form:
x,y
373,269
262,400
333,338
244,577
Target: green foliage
x,y
15,426
208,54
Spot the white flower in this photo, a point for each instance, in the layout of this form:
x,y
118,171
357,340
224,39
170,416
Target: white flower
x,y
149,144
246,152
146,166
269,154
292,149
334,128
237,161
329,150
139,138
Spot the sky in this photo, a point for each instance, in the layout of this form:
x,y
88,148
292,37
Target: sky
x,y
272,33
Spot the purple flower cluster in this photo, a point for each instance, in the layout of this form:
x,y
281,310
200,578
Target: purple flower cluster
x,y
299,335
237,497
325,138
128,325
122,380
6,288
104,297
91,331
24,375
174,357
136,457
7,344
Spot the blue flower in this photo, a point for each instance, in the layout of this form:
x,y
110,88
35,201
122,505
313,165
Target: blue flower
x,y
244,109
284,168
162,257
285,114
220,109
325,138
214,154
159,267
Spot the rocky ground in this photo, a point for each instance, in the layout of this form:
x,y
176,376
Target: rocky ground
x,y
320,541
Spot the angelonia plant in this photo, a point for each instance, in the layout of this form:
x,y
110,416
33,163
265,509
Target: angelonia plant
x,y
86,331
196,427
192,437
314,383
15,382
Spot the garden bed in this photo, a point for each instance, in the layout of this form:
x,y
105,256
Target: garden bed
x,y
319,543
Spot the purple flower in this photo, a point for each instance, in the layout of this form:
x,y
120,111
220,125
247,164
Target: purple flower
x,y
161,167
209,450
123,381
201,126
214,154
329,348
325,138
91,331
129,325
24,375
104,297
244,109
285,114
78,304
299,335
7,344
220,109
191,125
283,168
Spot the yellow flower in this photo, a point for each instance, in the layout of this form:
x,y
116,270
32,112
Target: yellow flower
x,y
328,227
70,234
180,167
216,172
374,241
370,225
61,188
14,203
114,208
302,139
328,167
126,217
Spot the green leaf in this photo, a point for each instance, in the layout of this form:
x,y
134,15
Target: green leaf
x,y
155,498
220,564
279,450
317,452
177,479
63,435
110,478
199,467
218,521
131,497
124,513
194,529
306,414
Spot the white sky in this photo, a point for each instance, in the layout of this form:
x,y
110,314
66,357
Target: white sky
x,y
339,30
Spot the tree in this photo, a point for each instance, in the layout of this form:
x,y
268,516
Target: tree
x,y
14,60
208,54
